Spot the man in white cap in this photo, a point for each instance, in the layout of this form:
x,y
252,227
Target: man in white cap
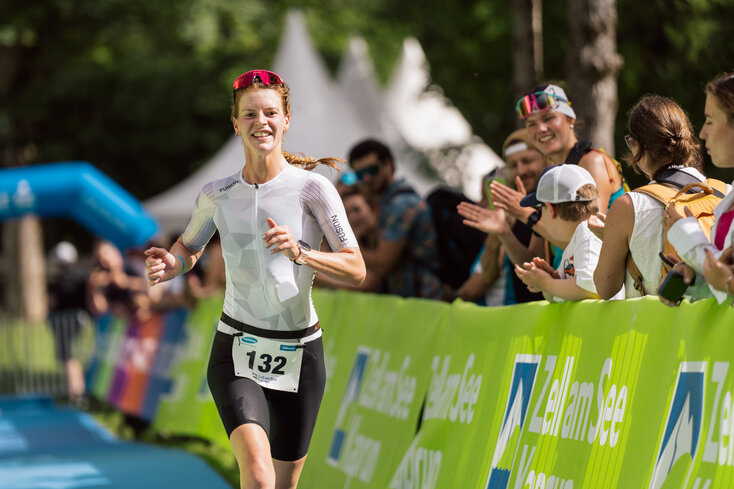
x,y
566,196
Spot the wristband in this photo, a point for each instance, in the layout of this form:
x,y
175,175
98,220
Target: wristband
x,y
183,264
533,219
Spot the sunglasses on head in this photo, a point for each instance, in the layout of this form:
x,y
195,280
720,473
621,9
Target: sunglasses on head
x,y
265,77
537,102
371,170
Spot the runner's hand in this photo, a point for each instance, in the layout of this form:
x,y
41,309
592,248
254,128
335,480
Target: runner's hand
x,y
160,265
279,239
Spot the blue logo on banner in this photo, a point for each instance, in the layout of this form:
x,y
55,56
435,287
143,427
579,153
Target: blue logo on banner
x,y
351,393
518,400
288,347
249,339
683,428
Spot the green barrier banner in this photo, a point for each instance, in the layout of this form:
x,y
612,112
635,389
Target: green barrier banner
x,y
592,394
376,387
182,410
423,394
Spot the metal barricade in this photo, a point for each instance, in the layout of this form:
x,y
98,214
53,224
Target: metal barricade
x,y
45,358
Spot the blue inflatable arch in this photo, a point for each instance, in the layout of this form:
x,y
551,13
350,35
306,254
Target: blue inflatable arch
x,y
81,192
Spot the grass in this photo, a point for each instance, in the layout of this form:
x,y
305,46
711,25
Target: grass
x,y
220,459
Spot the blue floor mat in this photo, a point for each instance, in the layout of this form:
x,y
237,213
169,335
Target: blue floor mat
x,y
43,446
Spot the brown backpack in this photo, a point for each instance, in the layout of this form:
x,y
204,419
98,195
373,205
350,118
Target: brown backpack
x,y
699,197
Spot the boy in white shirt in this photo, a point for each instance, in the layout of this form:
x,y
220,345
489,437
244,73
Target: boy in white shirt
x,y
567,197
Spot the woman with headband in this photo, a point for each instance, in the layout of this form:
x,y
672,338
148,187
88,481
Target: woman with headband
x,y
550,120
266,368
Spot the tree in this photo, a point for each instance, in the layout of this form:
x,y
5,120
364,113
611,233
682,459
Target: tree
x,y
592,67
527,45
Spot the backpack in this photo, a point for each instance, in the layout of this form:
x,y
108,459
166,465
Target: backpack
x,y
458,244
683,190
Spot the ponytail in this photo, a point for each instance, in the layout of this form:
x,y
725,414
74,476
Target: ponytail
x,y
309,163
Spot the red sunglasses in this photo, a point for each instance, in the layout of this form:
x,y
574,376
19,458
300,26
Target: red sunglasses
x,y
265,77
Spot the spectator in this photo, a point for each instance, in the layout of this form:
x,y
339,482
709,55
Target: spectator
x,y
567,197
525,163
213,276
685,235
67,312
111,288
406,253
550,120
486,282
661,142
362,212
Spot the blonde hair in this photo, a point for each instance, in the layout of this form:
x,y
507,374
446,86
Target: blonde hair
x,y
296,159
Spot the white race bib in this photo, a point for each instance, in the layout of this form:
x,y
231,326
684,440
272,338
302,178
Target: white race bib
x,y
271,363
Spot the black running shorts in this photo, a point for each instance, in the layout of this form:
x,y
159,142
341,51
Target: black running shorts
x,y
288,418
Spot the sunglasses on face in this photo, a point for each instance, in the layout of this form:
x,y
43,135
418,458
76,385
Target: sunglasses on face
x,y
631,141
371,170
265,77
537,102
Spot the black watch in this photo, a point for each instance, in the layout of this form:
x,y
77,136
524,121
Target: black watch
x,y
533,219
305,250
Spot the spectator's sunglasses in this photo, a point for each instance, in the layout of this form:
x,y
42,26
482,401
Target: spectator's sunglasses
x,y
537,102
265,77
371,170
631,141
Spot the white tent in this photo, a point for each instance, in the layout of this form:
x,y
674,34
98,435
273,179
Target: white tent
x,y
328,118
431,124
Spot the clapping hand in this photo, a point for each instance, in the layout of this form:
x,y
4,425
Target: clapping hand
x,y
486,220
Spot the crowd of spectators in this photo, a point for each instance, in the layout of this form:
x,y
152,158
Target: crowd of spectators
x,y
560,221
560,224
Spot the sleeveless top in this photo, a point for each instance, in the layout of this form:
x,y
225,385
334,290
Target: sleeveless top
x,y
267,290
647,240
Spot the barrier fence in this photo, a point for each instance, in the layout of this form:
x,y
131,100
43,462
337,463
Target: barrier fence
x,y
424,394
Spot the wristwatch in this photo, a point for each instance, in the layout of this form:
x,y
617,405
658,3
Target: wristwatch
x,y
533,219
305,251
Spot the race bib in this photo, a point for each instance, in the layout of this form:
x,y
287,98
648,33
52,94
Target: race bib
x,y
271,363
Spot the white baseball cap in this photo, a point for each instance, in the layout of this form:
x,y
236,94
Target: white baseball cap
x,y
560,183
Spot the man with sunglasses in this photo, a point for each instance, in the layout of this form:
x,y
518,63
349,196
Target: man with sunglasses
x,y
406,258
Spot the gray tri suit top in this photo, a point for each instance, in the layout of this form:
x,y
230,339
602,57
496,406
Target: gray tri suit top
x,y
267,290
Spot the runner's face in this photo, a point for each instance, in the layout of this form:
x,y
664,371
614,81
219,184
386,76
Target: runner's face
x,y
261,121
528,165
360,215
551,131
718,134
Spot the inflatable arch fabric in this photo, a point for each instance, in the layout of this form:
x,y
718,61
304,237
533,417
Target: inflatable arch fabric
x,y
81,192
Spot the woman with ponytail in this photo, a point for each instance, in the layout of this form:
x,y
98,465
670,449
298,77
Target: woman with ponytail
x,y
266,367
663,147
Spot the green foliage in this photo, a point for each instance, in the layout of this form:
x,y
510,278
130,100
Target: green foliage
x,y
141,89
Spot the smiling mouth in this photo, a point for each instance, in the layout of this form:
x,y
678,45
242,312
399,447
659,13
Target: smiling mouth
x,y
261,134
545,139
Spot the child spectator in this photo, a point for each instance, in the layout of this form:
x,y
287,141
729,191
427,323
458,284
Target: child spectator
x,y
567,196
